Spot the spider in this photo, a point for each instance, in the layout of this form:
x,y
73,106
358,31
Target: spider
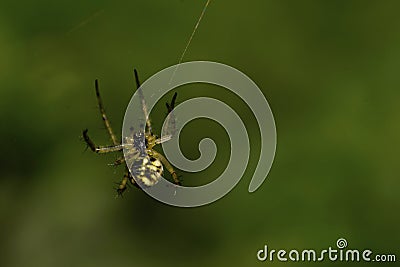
x,y
145,162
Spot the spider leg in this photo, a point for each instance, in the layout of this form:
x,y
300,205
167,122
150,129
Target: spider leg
x,y
166,164
170,127
127,157
163,139
100,149
123,184
144,106
107,123
171,106
118,161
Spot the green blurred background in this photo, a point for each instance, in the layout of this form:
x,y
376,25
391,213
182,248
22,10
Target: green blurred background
x,y
329,70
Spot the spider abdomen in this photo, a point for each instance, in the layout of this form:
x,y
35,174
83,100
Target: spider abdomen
x,y
147,170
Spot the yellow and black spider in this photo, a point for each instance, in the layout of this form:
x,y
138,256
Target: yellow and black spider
x,y
146,163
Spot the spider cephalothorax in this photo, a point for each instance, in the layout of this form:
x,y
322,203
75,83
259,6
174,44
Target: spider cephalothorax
x,y
145,163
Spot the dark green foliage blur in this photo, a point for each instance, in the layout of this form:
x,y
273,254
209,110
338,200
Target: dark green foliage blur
x,y
329,69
